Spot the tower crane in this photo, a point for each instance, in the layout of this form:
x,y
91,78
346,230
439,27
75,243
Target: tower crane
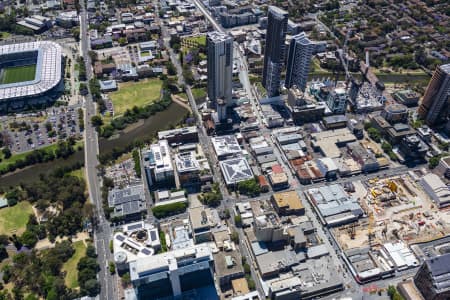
x,y
343,56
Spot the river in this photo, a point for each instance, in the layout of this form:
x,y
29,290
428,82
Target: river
x,y
162,120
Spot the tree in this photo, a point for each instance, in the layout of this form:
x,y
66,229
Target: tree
x,y
433,162
6,152
3,253
96,121
12,197
249,187
92,287
126,279
4,240
76,33
137,162
90,251
187,74
386,147
235,237
171,209
238,220
374,134
122,41
28,239
112,267
171,70
88,263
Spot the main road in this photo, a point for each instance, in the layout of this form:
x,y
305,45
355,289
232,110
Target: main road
x,y
102,231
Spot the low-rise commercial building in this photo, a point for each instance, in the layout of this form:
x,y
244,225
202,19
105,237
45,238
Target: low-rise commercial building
x,y
179,135
128,202
279,180
288,203
235,170
304,109
328,142
272,263
364,157
334,122
334,205
36,23
395,113
268,228
134,241
444,166
228,266
226,146
202,220
407,97
438,191
413,148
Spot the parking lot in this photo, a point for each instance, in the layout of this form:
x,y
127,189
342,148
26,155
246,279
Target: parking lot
x,y
25,132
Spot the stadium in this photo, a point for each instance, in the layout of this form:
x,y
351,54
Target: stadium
x,y
30,75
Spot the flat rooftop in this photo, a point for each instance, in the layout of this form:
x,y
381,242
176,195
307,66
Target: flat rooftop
x,y
236,170
226,145
289,199
328,141
228,263
186,162
334,205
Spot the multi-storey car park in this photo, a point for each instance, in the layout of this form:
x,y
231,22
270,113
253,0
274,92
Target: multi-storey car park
x,y
30,74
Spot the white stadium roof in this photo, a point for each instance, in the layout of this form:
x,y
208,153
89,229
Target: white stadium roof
x,y
48,69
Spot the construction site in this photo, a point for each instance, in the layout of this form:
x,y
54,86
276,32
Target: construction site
x,y
398,213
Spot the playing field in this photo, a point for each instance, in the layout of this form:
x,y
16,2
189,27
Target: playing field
x,y
135,94
18,74
70,266
13,219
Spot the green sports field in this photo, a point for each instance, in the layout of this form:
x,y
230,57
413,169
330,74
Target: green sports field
x,y
18,74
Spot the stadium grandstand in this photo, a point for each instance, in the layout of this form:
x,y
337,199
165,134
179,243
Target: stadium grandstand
x,y
30,75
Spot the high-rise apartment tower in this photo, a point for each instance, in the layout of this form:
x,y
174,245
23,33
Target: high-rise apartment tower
x,y
275,48
300,53
435,106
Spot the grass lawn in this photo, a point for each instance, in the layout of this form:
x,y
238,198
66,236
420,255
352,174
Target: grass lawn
x,y
78,173
183,95
4,35
13,219
135,94
199,93
18,74
70,266
200,40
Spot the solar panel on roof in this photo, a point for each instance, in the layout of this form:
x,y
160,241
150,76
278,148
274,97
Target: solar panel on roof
x,y
153,235
135,226
146,251
120,238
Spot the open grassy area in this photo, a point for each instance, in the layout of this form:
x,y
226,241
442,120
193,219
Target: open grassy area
x,y
18,74
199,93
13,219
78,173
4,35
200,40
135,94
70,266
